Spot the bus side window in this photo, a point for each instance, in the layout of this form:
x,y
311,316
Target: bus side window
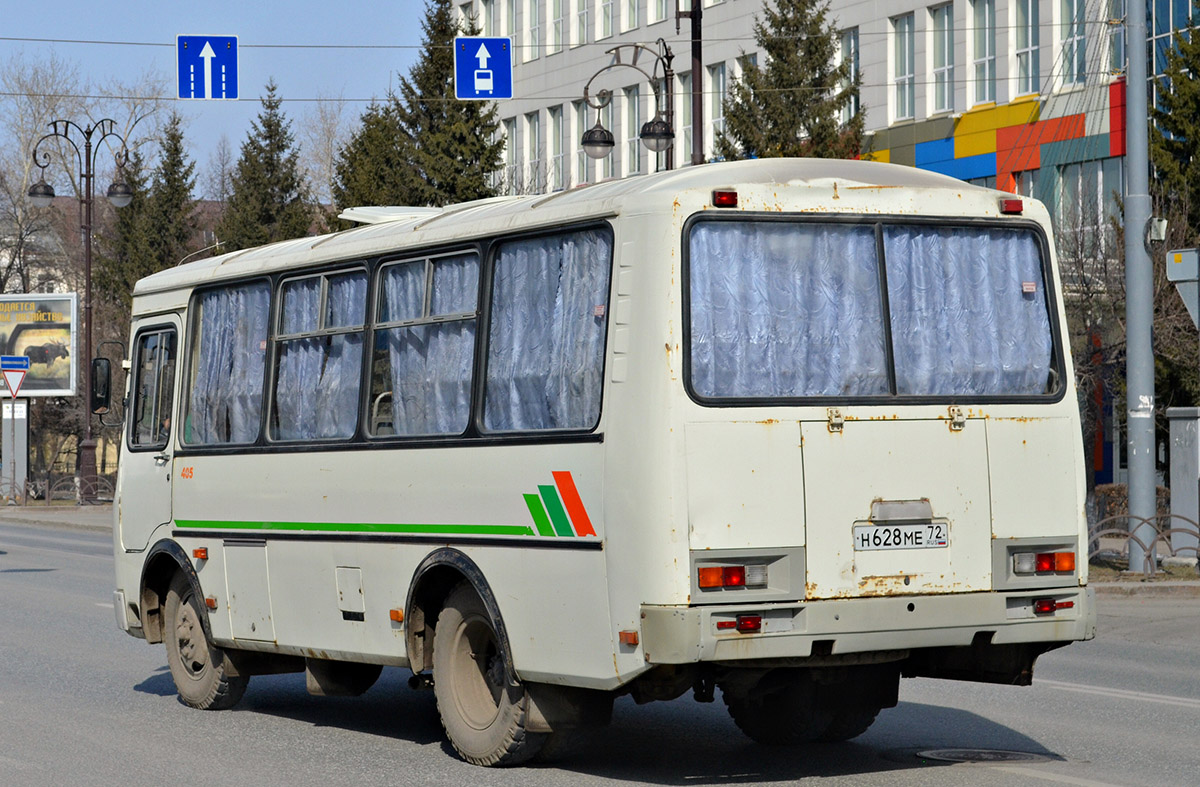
x,y
154,389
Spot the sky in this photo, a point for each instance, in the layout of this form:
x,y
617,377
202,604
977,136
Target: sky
x,y
275,40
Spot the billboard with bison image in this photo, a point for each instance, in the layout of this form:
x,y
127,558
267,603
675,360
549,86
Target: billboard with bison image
x,y
41,327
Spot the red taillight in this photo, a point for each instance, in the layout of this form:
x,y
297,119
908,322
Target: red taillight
x,y
1045,562
725,199
1054,561
747,624
709,577
1047,606
1011,206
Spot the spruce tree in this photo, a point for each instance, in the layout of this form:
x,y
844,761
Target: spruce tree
x,y
154,232
371,169
423,146
792,104
126,248
1175,138
269,201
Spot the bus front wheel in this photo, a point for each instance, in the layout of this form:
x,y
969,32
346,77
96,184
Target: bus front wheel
x,y
483,712
198,667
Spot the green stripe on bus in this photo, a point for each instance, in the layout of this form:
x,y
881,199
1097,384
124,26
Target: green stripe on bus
x,y
554,506
357,527
538,512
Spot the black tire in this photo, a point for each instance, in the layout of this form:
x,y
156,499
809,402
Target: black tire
x,y
784,714
197,666
483,715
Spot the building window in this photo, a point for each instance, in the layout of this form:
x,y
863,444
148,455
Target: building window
x,y
583,22
716,79
657,10
533,141
849,52
633,128
1028,43
558,25
903,64
558,158
510,21
1167,17
512,159
606,120
535,30
606,18
943,57
580,111
491,24
984,60
685,119
1074,43
631,15
1116,37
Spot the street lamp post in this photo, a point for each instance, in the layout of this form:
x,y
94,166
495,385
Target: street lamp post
x,y
120,194
658,134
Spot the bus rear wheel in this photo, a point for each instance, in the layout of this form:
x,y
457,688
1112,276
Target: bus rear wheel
x,y
785,712
198,667
483,713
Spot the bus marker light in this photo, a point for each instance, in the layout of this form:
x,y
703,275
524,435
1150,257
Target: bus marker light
x,y
747,624
628,637
210,602
725,625
715,577
1044,606
1011,206
1024,563
1064,561
397,615
201,553
756,575
725,199
709,576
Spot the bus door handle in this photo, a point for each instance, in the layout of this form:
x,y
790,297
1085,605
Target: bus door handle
x,y
162,459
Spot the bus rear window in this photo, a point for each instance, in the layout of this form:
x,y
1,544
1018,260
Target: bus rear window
x,y
798,309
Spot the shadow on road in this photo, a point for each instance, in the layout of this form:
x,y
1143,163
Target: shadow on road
x,y
663,743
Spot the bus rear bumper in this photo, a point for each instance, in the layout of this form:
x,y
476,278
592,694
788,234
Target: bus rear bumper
x,y
820,629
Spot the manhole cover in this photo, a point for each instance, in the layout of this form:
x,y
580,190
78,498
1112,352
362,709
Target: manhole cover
x,y
980,755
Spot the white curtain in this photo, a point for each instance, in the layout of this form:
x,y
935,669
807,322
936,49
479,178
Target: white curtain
x,y
318,380
546,339
430,363
225,405
968,310
785,309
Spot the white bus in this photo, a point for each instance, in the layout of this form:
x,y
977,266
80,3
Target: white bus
x,y
790,429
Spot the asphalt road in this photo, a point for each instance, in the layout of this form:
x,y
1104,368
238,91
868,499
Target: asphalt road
x,y
83,703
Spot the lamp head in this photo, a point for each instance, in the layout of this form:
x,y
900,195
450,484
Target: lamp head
x,y
120,194
657,134
41,194
597,141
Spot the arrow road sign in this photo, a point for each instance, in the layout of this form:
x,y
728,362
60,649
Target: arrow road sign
x,y
483,69
207,66
14,362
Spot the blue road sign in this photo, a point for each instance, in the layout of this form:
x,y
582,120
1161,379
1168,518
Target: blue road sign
x,y
14,362
208,66
483,69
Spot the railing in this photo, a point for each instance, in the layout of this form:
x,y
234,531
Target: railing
x,y
52,488
1150,550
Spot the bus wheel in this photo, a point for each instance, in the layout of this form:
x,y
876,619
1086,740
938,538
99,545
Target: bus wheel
x,y
850,722
198,667
483,715
783,709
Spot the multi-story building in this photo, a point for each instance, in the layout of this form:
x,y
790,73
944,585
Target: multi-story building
x,y
1026,95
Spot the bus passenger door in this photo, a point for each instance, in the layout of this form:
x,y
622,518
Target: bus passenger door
x,y
144,488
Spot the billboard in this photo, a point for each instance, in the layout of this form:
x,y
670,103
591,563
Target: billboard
x,y
41,327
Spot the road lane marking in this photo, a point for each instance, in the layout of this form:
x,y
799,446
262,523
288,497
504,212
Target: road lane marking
x,y
1164,699
1052,777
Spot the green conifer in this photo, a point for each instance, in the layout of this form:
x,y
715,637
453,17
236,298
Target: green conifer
x,y
791,105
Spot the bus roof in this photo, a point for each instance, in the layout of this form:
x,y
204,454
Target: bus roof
x,y
390,229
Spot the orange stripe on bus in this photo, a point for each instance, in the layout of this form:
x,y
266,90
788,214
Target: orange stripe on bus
x,y
575,509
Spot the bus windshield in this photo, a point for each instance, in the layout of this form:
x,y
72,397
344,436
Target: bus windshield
x,y
795,309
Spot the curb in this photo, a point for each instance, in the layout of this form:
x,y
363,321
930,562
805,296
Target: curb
x,y
1188,588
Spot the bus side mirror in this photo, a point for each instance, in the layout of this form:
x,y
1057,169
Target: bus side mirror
x,y
101,385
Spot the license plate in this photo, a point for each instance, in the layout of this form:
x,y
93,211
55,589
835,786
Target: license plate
x,y
930,535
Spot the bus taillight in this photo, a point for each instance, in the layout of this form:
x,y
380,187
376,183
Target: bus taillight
x,y
1043,562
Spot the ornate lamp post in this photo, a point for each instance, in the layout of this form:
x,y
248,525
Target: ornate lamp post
x,y
120,194
658,134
